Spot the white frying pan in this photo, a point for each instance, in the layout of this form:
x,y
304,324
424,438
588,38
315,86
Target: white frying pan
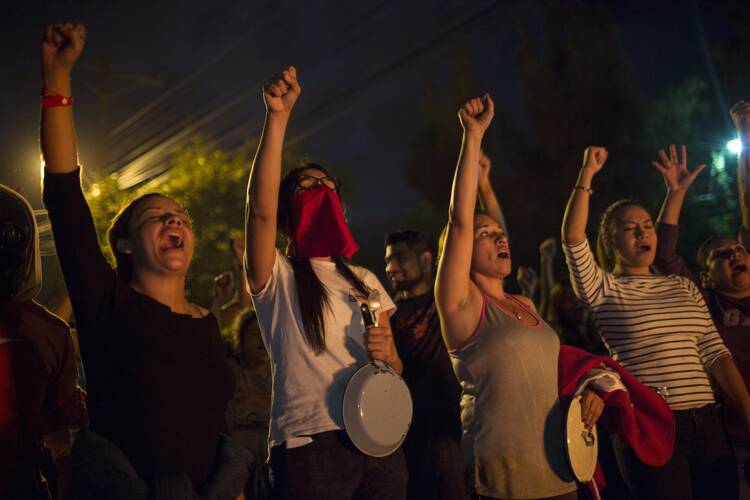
x,y
377,406
581,443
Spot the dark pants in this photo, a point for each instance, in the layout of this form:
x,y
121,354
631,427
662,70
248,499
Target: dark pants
x,y
332,468
435,463
702,466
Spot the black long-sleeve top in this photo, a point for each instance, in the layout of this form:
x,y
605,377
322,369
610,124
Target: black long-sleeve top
x,y
158,382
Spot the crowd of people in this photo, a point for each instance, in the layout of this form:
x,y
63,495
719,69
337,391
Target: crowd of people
x,y
244,399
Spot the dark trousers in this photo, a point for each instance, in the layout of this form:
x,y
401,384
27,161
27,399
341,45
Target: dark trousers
x,y
702,466
331,468
435,463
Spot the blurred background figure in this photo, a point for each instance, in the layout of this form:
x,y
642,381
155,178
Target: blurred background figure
x,y
39,398
433,445
230,295
249,410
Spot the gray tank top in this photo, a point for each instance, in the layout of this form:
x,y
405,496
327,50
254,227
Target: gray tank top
x,y
513,426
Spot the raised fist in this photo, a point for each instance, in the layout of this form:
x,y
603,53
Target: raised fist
x,y
594,158
223,289
281,91
476,115
528,280
740,113
548,248
62,44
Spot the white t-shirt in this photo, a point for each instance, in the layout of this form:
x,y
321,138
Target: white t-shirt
x,y
308,390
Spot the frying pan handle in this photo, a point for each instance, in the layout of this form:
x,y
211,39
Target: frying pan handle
x,y
367,315
369,320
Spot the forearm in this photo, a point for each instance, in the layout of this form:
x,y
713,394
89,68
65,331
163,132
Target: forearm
x,y
743,183
490,205
263,200
465,182
265,174
243,295
671,208
732,386
577,210
57,134
546,283
452,280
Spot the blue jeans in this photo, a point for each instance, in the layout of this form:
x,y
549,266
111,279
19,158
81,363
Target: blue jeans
x,y
702,466
331,468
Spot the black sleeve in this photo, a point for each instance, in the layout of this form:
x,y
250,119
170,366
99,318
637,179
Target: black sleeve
x,y
88,275
667,259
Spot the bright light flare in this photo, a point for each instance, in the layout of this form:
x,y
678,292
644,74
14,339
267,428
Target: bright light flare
x,y
735,146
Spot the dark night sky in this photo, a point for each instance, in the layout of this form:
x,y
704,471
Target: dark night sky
x,y
362,66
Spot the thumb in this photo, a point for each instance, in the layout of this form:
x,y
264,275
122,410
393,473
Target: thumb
x,y
697,171
488,103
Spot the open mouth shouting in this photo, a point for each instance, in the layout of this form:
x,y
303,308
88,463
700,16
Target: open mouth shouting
x,y
643,248
739,268
174,241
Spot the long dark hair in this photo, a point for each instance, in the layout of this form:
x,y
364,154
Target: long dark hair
x,y
311,292
120,228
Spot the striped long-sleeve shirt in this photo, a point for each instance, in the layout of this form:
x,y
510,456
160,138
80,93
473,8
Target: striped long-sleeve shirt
x,y
658,327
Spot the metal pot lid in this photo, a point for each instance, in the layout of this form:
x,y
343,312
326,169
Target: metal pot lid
x,y
581,444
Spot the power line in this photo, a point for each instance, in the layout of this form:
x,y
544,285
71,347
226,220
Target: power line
x,y
143,168
155,141
150,107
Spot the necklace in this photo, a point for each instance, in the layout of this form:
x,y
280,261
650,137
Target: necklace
x,y
515,311
509,302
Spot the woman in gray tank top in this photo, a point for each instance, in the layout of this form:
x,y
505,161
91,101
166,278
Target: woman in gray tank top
x,y
504,355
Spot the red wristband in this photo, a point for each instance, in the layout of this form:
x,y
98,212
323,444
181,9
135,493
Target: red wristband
x,y
52,100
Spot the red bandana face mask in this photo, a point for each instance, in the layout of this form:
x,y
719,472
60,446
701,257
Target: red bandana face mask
x,y
319,226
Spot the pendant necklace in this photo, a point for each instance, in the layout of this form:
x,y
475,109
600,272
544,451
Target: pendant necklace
x,y
515,311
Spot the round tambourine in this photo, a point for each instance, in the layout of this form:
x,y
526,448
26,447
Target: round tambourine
x,y
377,409
581,444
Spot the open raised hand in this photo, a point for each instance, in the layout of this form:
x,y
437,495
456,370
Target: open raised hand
x,y
676,175
476,115
281,91
62,44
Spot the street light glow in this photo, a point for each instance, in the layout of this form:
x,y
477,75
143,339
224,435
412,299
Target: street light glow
x,y
735,146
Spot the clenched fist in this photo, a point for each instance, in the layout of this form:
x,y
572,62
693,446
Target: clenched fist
x,y
62,44
476,115
281,91
594,158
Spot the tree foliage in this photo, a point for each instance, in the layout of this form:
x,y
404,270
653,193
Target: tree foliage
x,y
580,90
210,183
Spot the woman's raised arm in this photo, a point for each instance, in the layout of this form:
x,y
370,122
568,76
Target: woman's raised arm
x,y
452,287
577,211
279,95
62,44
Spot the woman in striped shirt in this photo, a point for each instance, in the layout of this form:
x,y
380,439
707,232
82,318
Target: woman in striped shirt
x,y
658,327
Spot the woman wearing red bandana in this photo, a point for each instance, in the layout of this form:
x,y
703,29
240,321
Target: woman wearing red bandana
x,y
308,304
